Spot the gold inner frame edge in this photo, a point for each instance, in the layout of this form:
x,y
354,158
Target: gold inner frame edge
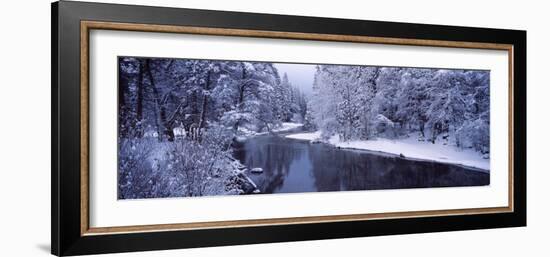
x,y
86,26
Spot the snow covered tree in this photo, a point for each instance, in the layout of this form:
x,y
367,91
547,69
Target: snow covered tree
x,y
309,119
205,102
363,102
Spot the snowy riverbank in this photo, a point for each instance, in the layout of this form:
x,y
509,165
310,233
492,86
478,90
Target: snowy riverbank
x,y
285,127
410,148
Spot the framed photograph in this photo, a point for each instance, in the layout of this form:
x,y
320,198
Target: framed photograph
x,y
177,128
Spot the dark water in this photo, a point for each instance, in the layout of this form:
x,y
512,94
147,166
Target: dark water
x,y
291,165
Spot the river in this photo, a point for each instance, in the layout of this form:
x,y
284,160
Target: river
x,y
291,166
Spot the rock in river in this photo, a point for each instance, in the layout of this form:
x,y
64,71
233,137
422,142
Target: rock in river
x,y
257,170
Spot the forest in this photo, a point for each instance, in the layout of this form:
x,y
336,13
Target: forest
x,y
366,102
178,119
206,104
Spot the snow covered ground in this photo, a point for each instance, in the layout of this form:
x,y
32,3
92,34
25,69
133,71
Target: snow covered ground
x,y
410,148
285,126
310,136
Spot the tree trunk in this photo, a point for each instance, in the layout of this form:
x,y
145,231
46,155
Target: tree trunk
x,y
242,86
422,130
436,129
139,100
123,85
122,108
373,80
202,120
241,96
166,126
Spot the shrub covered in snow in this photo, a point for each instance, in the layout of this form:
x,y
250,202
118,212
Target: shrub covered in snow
x,y
149,168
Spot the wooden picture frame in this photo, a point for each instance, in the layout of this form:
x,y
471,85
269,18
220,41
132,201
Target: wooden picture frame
x,y
71,25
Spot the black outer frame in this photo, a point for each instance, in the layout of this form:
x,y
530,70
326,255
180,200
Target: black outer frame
x,y
65,169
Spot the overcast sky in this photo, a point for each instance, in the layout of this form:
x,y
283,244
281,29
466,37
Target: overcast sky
x,y
299,75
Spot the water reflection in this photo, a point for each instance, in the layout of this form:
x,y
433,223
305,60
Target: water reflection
x,y
295,166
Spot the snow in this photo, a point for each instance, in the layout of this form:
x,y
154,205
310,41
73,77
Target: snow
x,y
240,139
410,148
286,126
246,133
179,132
310,136
257,170
251,182
238,167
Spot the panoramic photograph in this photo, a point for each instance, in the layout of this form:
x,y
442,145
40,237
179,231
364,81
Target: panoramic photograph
x,y
197,127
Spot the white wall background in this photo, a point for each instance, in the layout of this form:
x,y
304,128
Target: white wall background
x,y
25,127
